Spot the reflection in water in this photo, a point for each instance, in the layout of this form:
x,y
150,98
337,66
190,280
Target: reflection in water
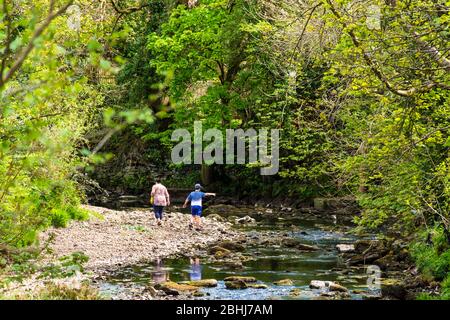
x,y
196,269
159,275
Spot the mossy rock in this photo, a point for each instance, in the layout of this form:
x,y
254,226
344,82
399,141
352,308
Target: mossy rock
x,y
201,283
173,288
284,282
240,278
295,292
230,245
236,285
257,285
219,252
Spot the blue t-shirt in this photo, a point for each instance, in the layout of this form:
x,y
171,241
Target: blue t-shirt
x,y
196,197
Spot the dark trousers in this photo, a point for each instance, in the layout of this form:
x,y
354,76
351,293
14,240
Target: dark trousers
x,y
158,211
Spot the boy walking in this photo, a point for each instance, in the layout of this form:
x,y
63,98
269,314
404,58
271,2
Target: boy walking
x,y
196,198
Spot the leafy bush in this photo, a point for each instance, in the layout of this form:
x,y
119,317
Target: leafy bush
x,y
66,266
432,254
78,213
59,218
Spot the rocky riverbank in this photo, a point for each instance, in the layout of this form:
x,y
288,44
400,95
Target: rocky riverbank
x,y
113,239
232,241
400,279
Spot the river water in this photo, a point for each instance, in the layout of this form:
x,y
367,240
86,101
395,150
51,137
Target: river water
x,y
271,263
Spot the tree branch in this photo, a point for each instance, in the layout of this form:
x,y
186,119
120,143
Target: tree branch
x,y
377,71
19,60
8,38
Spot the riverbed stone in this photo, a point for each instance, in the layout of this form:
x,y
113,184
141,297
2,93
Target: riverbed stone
x,y
257,285
231,245
345,247
219,252
337,287
394,288
245,220
366,246
284,282
295,292
240,278
327,285
173,288
294,243
201,283
236,285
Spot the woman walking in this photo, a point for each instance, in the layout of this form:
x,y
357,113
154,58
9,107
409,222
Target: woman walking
x,y
160,198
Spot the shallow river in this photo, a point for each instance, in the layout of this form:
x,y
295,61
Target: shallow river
x,y
272,263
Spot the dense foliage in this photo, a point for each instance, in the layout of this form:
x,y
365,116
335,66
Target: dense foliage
x,y
359,89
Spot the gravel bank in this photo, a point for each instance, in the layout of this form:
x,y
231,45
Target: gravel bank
x,y
127,237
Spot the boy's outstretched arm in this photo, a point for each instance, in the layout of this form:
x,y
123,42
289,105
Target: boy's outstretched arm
x,y
210,194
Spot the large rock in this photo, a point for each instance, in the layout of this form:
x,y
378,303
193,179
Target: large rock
x,y
202,283
337,287
393,288
327,285
294,243
240,278
345,248
362,259
236,285
372,246
256,285
389,262
173,288
245,220
306,247
335,294
366,252
230,245
219,252
284,282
